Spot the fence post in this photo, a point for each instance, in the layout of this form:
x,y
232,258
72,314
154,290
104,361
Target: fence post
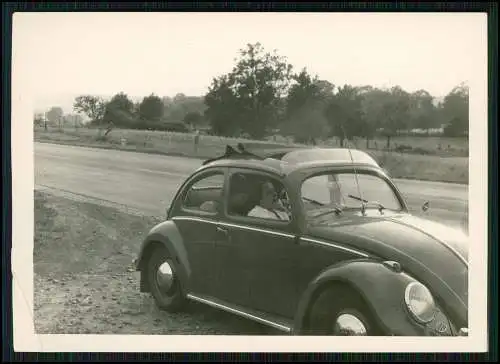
x,y
196,141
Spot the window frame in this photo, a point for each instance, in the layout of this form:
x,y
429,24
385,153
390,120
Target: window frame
x,y
274,224
359,171
188,186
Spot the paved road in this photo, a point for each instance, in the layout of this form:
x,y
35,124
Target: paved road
x,y
148,182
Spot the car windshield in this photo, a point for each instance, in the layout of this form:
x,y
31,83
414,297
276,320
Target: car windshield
x,y
336,193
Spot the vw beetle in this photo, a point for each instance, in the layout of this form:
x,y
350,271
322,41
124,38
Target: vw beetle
x,y
344,256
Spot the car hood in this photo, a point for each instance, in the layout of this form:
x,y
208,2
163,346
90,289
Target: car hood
x,y
433,253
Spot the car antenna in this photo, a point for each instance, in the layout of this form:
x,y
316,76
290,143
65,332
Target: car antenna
x,y
363,206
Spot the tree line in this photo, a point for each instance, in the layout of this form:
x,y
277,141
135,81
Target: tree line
x,y
263,95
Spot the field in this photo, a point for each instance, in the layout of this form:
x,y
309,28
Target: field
x,y
424,161
84,282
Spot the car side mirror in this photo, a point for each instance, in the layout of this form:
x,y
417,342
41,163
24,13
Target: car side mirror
x,y
425,206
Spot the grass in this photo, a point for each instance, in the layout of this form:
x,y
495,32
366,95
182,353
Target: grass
x,y
434,165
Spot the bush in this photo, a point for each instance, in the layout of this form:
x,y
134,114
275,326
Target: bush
x,y
403,148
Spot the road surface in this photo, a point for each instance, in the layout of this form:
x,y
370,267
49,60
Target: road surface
x,y
148,182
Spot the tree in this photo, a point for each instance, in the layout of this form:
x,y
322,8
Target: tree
x,y
180,97
304,89
305,108
395,113
372,110
38,120
261,79
122,102
455,111
180,106
74,120
255,87
307,123
422,111
54,115
119,111
193,118
151,108
344,113
92,106
222,107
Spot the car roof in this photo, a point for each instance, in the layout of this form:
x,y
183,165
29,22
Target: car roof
x,y
284,160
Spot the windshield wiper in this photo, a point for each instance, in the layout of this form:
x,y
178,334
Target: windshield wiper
x,y
336,209
365,202
313,201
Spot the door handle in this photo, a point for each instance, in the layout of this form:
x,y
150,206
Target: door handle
x,y
222,230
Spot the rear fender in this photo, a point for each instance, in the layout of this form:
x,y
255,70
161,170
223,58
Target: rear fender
x,y
164,235
381,287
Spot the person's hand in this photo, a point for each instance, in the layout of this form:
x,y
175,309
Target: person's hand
x,y
278,204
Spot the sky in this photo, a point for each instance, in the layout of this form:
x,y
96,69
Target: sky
x,y
62,55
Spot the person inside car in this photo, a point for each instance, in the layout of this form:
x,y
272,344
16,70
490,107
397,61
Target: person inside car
x,y
269,206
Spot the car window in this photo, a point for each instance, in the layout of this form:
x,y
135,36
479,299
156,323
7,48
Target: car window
x,y
215,181
342,189
255,196
205,194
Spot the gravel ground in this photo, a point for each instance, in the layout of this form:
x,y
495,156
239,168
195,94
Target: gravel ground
x,y
84,282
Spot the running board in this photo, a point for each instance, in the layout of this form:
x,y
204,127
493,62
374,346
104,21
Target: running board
x,y
280,324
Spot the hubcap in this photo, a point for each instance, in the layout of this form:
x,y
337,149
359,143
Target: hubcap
x,y
349,325
165,276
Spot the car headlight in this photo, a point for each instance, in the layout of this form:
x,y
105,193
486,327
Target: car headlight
x,y
420,302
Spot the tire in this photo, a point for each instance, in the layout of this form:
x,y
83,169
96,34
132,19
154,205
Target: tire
x,y
344,303
170,299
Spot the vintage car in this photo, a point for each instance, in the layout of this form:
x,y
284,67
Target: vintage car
x,y
310,241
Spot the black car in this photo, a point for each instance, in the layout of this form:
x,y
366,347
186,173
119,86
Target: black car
x,y
311,241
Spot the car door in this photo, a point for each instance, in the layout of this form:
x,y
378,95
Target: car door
x,y
257,258
197,210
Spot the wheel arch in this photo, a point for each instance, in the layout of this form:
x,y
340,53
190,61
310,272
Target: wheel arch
x,y
339,284
381,289
165,236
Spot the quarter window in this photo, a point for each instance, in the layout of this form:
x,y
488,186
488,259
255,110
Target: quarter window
x,y
205,194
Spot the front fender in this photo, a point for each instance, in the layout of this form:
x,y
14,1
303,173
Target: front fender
x,y
167,235
382,288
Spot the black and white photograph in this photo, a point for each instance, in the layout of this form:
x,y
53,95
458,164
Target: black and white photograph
x,y
264,181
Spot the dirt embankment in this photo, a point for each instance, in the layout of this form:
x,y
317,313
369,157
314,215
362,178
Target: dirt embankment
x,y
84,281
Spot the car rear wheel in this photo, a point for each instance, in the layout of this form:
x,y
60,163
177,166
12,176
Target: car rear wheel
x,y
341,312
164,282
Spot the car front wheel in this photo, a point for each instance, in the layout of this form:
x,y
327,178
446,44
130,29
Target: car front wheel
x,y
164,283
341,312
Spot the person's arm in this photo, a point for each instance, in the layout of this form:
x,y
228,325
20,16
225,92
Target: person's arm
x,y
263,213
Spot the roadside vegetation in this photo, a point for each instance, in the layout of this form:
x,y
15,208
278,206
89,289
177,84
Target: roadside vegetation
x,y
263,98
441,168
